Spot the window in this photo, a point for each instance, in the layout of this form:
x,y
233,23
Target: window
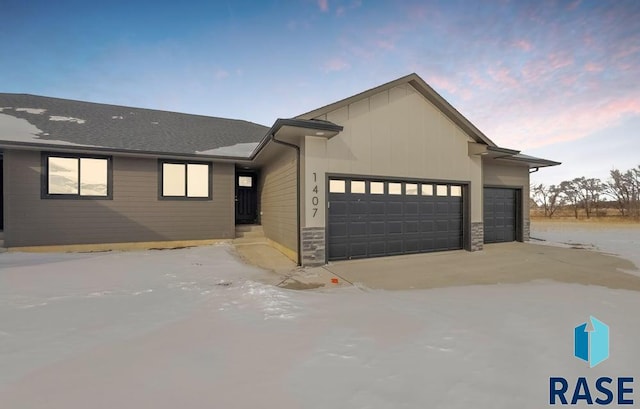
x,y
427,190
441,190
245,181
68,176
336,186
411,189
357,186
182,180
376,188
456,190
395,188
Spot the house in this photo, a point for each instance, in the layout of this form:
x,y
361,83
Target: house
x,y
393,170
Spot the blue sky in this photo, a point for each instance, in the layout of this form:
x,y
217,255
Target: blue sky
x,y
558,79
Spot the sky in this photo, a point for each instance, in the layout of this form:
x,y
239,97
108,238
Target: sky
x,y
556,79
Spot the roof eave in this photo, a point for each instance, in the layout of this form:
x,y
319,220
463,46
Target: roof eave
x,y
532,162
298,123
99,149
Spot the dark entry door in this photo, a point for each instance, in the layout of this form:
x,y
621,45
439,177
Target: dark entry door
x,y
500,219
374,218
246,198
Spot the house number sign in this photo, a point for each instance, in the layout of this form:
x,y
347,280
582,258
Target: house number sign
x,y
315,200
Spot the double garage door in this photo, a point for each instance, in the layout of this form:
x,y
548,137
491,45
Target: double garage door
x,y
373,218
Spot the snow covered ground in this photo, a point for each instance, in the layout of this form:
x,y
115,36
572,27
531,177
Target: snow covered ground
x,y
192,328
615,238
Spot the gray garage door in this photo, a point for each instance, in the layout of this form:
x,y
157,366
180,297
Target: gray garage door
x,y
500,214
373,218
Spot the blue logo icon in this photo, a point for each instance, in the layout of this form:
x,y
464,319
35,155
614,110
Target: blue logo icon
x,y
591,343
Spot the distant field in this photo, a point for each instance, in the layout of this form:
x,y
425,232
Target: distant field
x,y
601,216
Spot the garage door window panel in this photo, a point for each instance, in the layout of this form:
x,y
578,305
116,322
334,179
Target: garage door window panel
x,y
337,186
358,187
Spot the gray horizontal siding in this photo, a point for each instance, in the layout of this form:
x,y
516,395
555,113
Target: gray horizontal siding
x,y
277,192
135,214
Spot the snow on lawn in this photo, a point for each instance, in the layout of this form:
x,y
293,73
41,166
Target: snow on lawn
x,y
192,328
619,239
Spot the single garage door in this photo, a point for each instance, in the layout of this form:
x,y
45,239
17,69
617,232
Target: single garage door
x,y
374,218
500,221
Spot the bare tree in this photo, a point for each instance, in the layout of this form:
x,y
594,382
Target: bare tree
x,y
592,188
634,180
547,197
619,188
571,193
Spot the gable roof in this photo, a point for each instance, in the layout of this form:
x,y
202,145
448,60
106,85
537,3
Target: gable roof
x,y
28,119
423,88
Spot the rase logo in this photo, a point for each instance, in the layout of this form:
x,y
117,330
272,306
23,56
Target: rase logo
x,y
591,344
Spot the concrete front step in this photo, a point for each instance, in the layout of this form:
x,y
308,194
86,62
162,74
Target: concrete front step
x,y
250,240
248,227
249,233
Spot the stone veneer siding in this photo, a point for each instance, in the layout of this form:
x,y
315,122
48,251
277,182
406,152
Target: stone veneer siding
x,y
526,230
477,236
313,246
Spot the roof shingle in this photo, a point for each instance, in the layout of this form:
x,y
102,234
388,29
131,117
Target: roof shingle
x,y
126,128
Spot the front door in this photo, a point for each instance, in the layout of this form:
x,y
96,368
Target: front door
x,y
246,198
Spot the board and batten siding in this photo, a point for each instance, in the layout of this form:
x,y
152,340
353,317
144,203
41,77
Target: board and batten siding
x,y
134,215
395,133
277,192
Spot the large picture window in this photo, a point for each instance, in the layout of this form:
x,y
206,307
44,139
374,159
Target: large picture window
x,y
76,176
185,180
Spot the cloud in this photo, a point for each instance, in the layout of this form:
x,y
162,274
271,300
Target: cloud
x,y
323,5
221,74
523,45
336,64
503,76
593,67
342,9
574,5
386,44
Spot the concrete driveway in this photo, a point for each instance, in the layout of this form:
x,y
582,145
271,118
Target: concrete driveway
x,y
498,263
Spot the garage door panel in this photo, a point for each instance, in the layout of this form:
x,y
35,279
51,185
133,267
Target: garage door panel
x,y
372,225
377,248
338,251
358,229
442,226
500,221
411,208
427,225
394,247
338,208
455,225
442,208
377,208
412,245
358,249
338,229
394,227
394,208
412,226
377,228
358,208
